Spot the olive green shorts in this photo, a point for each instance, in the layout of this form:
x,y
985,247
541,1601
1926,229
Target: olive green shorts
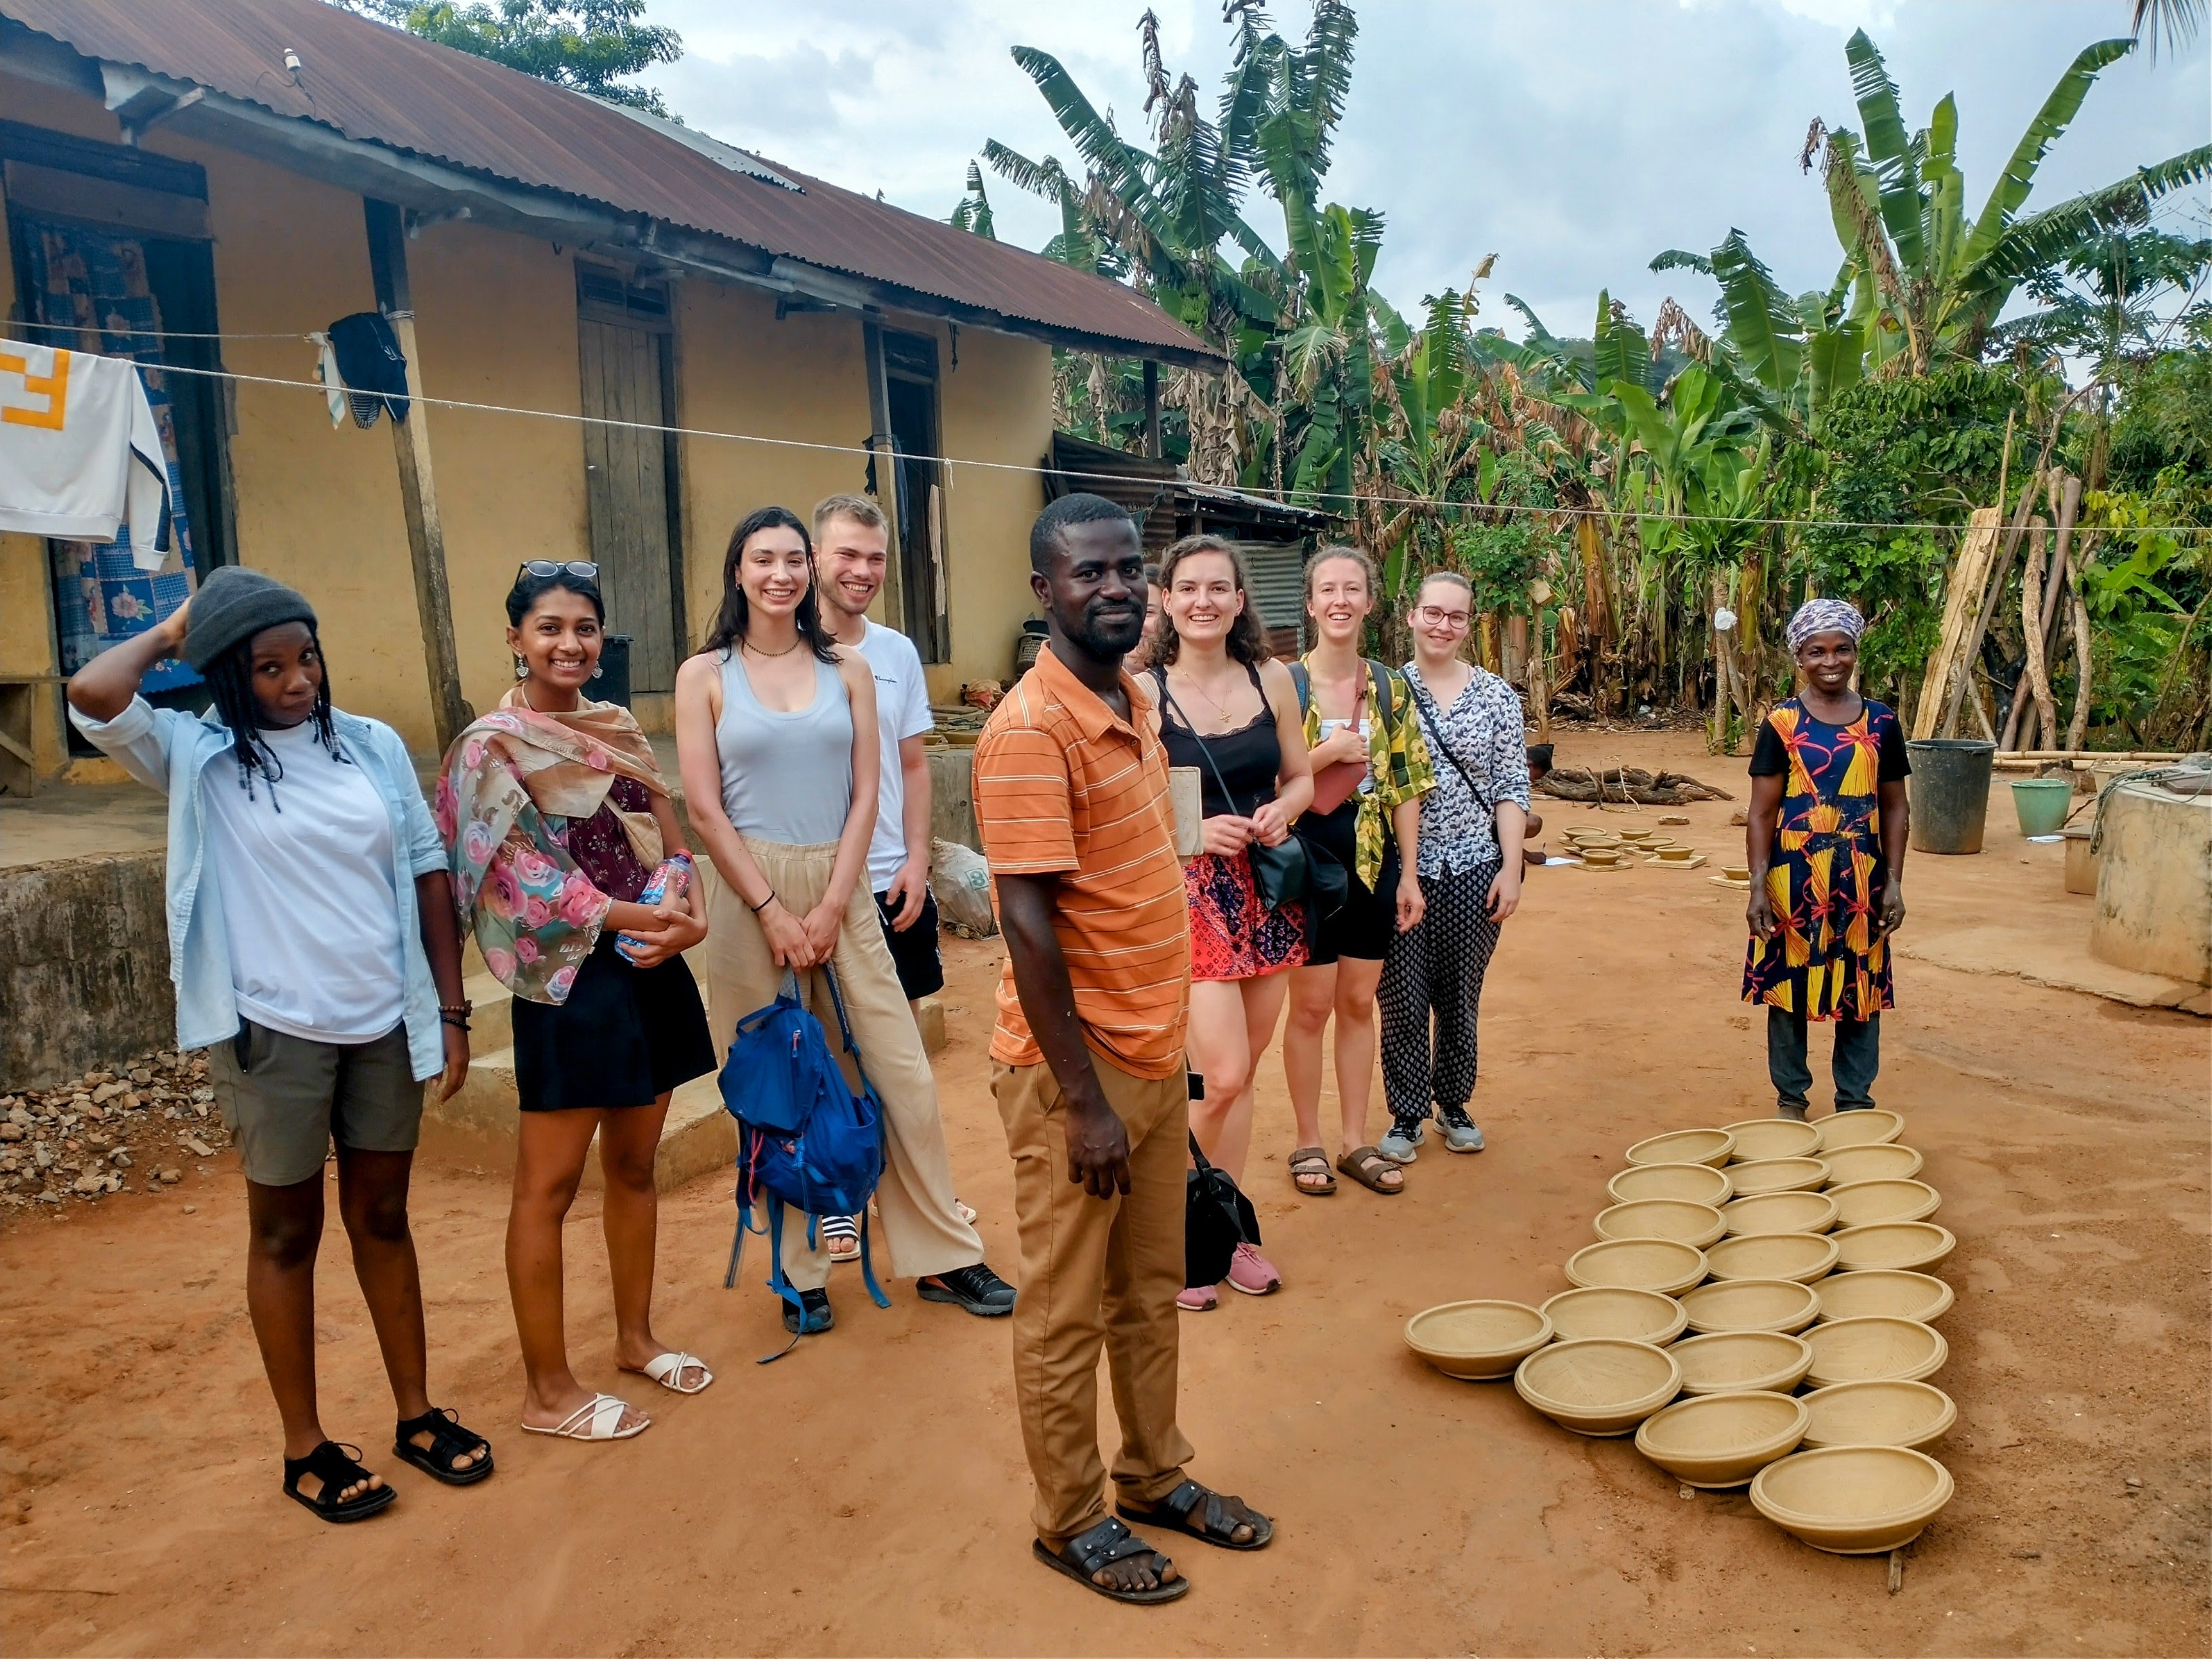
x,y
285,1098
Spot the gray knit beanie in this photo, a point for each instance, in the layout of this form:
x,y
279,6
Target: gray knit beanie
x,y
234,603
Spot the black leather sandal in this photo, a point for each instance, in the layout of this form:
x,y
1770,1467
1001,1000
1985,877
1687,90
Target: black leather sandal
x,y
448,1440
1199,1512
1109,1541
337,1467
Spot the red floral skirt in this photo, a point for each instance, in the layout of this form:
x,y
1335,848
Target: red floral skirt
x,y
1232,935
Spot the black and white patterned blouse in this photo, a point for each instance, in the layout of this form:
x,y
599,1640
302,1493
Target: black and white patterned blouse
x,y
1483,729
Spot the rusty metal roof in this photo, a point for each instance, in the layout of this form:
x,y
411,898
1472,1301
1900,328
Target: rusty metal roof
x,y
376,85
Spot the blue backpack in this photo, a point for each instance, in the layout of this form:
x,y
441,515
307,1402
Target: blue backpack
x,y
805,1139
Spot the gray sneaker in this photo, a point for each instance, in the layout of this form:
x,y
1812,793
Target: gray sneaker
x,y
1398,1148
1460,1137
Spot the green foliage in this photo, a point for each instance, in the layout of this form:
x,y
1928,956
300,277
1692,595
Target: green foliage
x,y
973,212
1501,553
588,45
2146,596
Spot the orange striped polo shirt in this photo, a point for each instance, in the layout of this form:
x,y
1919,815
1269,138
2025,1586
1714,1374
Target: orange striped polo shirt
x,y
1064,786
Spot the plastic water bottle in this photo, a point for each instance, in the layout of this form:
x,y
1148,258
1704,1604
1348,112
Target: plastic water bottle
x,y
671,881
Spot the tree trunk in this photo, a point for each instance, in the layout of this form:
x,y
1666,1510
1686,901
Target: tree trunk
x,y
2038,606
1540,683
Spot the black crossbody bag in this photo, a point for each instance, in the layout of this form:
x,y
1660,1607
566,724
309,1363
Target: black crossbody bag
x,y
1283,875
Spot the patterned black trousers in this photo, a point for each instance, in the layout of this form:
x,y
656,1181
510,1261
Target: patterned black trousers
x,y
1436,970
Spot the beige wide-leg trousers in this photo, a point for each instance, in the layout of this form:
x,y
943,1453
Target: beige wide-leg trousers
x,y
924,1233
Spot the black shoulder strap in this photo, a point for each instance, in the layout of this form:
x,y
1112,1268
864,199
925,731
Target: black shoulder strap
x,y
1424,706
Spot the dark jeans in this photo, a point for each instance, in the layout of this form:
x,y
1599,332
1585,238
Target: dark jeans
x,y
1858,1057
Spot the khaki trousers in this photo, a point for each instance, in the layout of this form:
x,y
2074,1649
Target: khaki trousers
x,y
914,1201
1096,1271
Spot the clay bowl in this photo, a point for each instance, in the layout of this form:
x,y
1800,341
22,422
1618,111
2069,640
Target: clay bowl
x,y
1912,1246
1886,1292
1780,1212
1638,1264
1685,1146
1603,857
1692,1183
1853,1500
1778,1175
1736,871
1871,1127
1881,1160
1609,1310
1740,1362
1875,1348
1761,1137
1598,1385
1890,1412
1802,1256
1751,1304
1863,1203
1671,854
1718,1440
1694,1224
1637,835
1477,1342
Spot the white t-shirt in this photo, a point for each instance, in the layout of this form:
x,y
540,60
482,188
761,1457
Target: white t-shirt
x,y
308,901
901,711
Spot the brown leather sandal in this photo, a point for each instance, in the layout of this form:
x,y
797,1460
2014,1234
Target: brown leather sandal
x,y
1367,1166
1312,1161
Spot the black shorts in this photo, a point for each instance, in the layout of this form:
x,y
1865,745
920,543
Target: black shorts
x,y
625,1036
913,951
1364,928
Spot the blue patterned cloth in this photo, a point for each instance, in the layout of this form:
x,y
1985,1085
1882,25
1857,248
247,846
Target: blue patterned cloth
x,y
88,289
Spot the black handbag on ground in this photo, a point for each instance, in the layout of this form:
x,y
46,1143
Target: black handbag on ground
x,y
1216,1219
1281,874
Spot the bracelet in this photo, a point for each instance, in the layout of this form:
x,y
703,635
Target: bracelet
x,y
458,1022
456,1014
764,903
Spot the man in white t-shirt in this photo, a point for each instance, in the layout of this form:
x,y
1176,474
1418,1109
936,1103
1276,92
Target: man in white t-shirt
x,y
851,550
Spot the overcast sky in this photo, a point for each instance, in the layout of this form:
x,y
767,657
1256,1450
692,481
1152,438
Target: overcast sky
x,y
1573,138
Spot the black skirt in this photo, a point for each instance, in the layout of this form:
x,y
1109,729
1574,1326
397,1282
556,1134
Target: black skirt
x,y
625,1036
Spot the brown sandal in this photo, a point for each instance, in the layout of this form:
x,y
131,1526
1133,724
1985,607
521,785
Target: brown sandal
x,y
1312,1161
1367,1166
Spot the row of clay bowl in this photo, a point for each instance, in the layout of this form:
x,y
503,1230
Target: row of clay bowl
x,y
1791,1255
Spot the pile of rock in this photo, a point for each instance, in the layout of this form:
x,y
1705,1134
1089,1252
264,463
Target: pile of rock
x,y
108,1132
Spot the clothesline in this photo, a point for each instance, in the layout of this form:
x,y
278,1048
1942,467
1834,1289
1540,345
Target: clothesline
x,y
1077,475
150,334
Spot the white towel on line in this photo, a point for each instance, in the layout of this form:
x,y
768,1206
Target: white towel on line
x,y
79,450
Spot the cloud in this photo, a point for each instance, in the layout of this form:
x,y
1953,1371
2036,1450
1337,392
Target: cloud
x,y
1575,138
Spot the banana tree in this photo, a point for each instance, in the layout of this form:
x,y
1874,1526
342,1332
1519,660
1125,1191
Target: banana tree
x,y
1783,357
1930,282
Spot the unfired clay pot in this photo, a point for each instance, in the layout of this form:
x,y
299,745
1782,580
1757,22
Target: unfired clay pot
x,y
1638,1264
1853,1500
1751,1304
1877,1161
1477,1342
1598,1385
1610,1310
1914,1246
1890,1412
1694,1224
1734,1362
1802,1256
1886,1291
1778,1175
1693,1183
1685,1146
1780,1212
1868,1127
1863,1203
1759,1138
1719,1440
1875,1348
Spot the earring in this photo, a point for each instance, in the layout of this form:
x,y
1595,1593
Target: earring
x,y
597,670
521,669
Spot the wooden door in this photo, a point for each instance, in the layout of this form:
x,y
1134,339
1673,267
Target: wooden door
x,y
628,475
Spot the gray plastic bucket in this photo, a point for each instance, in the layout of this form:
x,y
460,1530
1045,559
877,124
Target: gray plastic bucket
x,y
1950,792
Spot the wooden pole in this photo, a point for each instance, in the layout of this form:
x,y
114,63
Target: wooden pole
x,y
1153,409
1993,595
884,457
418,491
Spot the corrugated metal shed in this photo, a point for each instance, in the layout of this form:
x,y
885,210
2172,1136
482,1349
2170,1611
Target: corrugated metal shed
x,y
375,85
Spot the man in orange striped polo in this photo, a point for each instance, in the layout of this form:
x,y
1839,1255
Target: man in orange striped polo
x,y
1071,789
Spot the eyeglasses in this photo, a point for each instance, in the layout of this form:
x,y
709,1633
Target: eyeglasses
x,y
583,567
1436,617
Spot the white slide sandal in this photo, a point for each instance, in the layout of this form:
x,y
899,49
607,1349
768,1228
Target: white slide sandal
x,y
666,1369
597,1418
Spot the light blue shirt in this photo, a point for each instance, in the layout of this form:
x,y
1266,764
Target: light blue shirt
x,y
169,750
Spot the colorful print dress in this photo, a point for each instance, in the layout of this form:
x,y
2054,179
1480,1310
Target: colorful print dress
x,y
1827,958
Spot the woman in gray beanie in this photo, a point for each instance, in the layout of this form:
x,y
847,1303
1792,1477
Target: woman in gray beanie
x,y
317,958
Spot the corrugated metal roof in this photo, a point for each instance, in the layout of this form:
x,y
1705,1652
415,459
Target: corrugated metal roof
x,y
379,85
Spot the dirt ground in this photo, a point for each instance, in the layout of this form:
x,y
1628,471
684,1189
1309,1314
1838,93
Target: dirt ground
x,y
868,1495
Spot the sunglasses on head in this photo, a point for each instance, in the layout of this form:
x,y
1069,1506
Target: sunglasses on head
x,y
583,567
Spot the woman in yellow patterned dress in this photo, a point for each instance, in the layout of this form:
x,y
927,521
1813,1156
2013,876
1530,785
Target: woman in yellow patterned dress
x,y
1825,839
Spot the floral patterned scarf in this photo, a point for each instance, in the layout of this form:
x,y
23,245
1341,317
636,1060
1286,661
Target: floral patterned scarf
x,y
511,784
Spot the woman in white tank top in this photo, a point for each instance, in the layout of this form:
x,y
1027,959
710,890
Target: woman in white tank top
x,y
776,734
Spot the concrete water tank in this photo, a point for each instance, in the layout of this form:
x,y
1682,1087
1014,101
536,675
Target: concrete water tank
x,y
2155,883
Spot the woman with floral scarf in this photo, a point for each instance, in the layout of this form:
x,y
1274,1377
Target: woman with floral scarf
x,y
557,819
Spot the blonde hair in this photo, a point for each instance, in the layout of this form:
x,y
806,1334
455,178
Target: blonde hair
x,y
1341,551
1451,576
859,509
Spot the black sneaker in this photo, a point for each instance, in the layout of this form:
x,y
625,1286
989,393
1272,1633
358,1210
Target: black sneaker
x,y
819,1316
976,1289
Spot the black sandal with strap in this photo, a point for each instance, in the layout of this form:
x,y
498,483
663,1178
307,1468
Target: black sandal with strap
x,y
448,1440
337,1466
1200,1511
1109,1541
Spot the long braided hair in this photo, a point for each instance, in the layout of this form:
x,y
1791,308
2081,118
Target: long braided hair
x,y
230,681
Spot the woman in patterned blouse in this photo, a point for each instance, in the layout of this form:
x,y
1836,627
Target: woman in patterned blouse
x,y
1469,866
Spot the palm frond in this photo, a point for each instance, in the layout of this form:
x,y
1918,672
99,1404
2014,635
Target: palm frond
x,y
1891,152
2011,190
1675,259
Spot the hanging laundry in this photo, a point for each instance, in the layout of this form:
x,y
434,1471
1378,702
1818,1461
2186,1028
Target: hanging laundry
x,y
79,451
367,355
327,371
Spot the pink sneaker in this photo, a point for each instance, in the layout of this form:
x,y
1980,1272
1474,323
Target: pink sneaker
x,y
1198,1299
1252,1272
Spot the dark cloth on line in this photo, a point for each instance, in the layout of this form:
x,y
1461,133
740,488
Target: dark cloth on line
x,y
371,365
